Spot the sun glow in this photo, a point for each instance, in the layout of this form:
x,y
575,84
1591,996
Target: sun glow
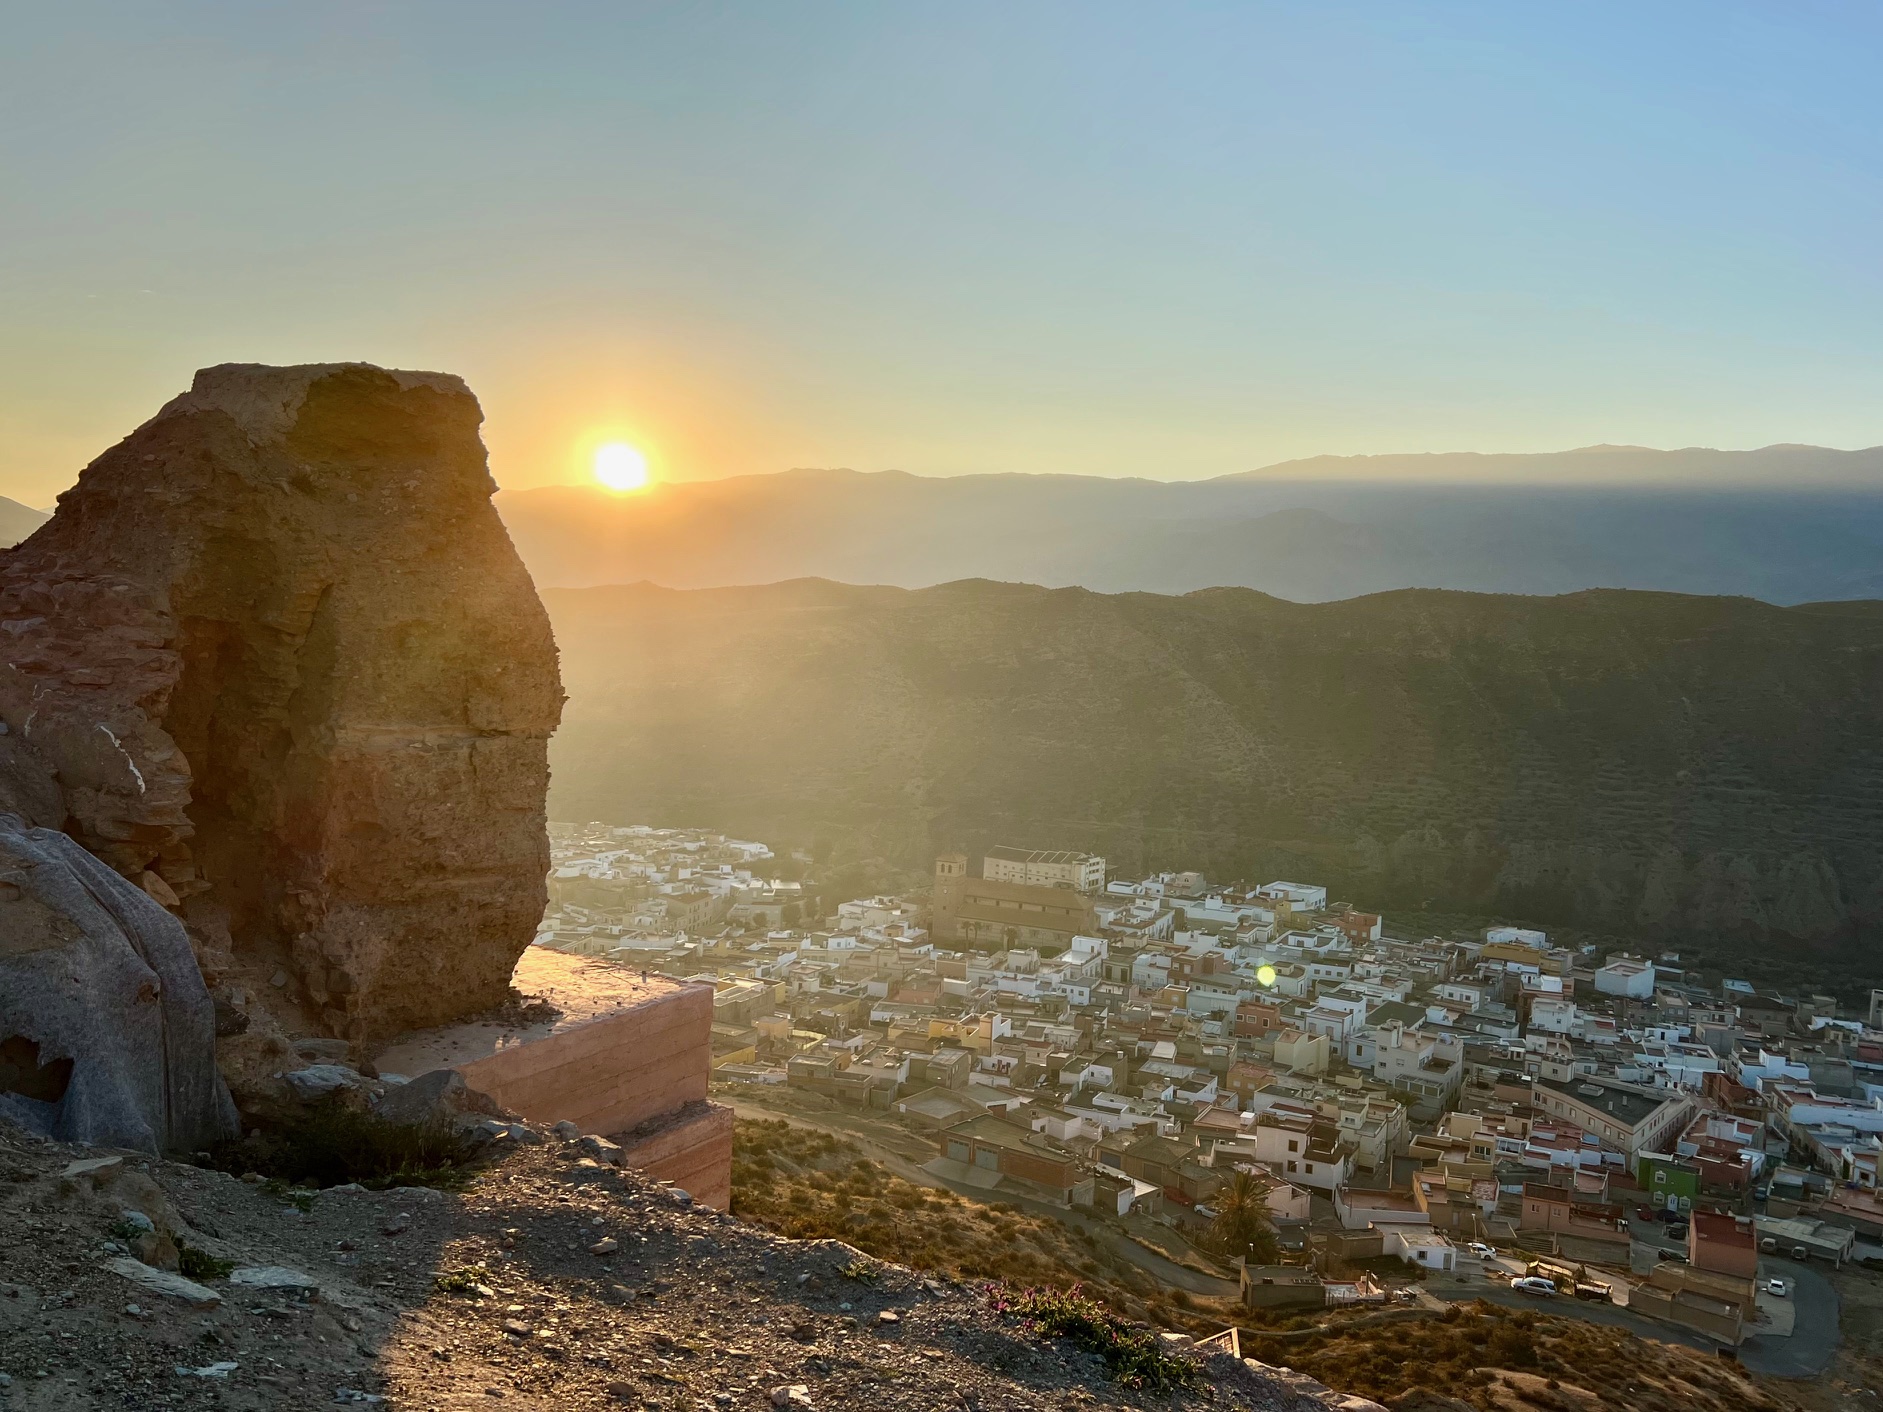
x,y
620,467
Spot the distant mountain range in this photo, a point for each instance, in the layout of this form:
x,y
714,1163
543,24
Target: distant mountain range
x,y
1787,524
17,521
1699,772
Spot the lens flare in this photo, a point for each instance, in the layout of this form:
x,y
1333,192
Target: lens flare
x,y
1265,975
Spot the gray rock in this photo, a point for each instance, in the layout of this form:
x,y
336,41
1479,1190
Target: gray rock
x,y
92,1168
566,1130
601,1149
276,1279
104,1016
322,1051
319,1081
163,1282
441,1096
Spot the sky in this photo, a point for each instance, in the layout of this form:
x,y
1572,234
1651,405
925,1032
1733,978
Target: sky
x,y
1172,240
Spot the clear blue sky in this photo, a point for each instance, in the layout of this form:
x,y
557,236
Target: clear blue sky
x,y
1160,239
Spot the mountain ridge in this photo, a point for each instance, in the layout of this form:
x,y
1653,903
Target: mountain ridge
x,y
1683,768
1305,540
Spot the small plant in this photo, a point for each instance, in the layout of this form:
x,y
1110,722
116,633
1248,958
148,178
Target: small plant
x,y
194,1264
299,1198
466,1279
858,1270
126,1231
1133,1354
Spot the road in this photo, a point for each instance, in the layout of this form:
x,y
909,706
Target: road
x,y
1815,1336
1584,1309
1113,1240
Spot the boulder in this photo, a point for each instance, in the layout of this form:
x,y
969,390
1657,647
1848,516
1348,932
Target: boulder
x,y
441,1096
295,681
107,1033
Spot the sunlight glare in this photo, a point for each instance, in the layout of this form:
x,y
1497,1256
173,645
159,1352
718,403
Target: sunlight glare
x,y
620,467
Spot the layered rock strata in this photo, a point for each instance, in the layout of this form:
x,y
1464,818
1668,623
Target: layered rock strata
x,y
297,687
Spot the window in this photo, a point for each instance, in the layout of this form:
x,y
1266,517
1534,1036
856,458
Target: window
x,y
1293,1146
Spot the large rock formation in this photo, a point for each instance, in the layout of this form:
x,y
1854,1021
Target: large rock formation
x,y
298,687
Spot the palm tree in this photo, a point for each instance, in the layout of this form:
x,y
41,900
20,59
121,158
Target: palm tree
x,y
1241,1226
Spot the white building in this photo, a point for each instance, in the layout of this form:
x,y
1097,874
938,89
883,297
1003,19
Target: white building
x,y
1303,897
1517,936
1626,976
1082,872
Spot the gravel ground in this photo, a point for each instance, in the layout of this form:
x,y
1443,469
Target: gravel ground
x,y
566,1284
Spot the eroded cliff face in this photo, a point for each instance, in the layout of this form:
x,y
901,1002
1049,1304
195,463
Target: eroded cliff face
x,y
298,686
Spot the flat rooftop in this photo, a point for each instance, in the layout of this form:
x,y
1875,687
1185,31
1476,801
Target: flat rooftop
x,y
1622,1104
581,988
1035,855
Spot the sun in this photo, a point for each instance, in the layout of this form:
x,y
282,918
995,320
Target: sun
x,y
620,467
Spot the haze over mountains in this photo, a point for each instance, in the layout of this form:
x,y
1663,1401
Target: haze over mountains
x,y
1684,770
17,521
1787,524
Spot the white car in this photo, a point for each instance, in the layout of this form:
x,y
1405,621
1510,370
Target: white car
x,y
1778,1287
1482,1251
1535,1284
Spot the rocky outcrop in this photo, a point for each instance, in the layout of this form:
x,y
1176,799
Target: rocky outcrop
x,y
107,1034
297,687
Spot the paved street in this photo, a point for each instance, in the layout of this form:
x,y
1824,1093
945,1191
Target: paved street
x,y
1815,1314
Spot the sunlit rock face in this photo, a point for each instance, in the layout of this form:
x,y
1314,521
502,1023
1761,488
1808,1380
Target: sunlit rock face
x,y
298,686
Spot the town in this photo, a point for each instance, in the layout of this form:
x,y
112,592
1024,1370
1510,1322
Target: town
x,y
1498,1116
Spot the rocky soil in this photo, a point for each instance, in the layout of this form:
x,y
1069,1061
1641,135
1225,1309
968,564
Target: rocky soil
x,y
553,1280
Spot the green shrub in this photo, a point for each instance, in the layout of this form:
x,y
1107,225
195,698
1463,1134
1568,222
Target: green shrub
x,y
1133,1354
194,1264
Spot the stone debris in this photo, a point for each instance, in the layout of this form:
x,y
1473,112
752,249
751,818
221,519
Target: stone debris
x,y
214,1370
601,1149
494,1287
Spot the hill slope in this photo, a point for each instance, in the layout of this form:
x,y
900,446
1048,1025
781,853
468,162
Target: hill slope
x,y
1684,768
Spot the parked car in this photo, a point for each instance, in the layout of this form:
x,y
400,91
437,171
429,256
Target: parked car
x,y
1410,1296
1778,1287
1644,1213
1535,1284
1678,1232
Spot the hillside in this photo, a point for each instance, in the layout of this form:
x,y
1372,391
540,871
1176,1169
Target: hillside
x,y
1685,769
548,1280
1788,525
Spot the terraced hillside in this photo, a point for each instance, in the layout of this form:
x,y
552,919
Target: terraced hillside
x,y
1685,769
